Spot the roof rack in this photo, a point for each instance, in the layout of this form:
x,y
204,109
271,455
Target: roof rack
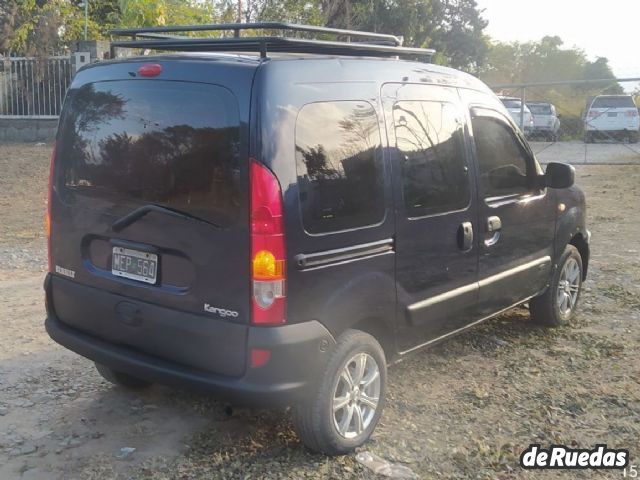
x,y
357,43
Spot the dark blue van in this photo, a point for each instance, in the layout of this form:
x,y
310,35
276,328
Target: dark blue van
x,y
278,226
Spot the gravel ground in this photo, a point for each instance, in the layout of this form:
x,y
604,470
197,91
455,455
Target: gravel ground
x,y
464,409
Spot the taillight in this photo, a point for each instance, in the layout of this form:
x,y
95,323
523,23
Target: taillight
x,y
47,217
267,248
592,114
632,113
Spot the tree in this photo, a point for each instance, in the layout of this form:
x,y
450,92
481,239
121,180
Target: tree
x,y
144,13
548,61
453,27
38,27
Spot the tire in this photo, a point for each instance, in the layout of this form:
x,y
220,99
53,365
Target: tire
x,y
633,137
320,428
557,305
121,379
588,138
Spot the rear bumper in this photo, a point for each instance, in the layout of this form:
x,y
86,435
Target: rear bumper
x,y
299,353
611,130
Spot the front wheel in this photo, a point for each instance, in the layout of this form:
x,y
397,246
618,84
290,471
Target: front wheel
x,y
558,304
344,409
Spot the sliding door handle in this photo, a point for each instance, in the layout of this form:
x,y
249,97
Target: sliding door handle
x,y
465,236
494,225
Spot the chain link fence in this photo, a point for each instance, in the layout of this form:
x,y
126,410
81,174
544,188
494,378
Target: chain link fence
x,y
579,122
33,87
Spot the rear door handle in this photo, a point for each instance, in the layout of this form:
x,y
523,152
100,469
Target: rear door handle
x,y
465,236
494,225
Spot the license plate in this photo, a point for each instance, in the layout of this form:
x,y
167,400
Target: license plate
x,y
134,264
612,114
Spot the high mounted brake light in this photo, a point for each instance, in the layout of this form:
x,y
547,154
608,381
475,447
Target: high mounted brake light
x,y
150,70
267,248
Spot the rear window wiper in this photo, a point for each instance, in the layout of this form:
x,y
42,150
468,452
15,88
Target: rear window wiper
x,y
138,213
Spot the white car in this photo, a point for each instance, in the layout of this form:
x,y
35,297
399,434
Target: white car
x,y
612,116
514,106
545,120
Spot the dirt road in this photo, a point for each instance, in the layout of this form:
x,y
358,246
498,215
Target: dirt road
x,y
465,409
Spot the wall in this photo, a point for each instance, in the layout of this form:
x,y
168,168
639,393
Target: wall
x,y
27,130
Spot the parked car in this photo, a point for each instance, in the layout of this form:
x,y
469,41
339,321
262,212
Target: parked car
x,y
546,122
277,229
612,117
524,120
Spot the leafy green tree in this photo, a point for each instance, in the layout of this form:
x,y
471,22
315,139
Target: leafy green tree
x,y
38,27
144,13
547,61
453,27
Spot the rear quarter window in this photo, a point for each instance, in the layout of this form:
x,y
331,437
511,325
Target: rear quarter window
x,y
339,166
137,142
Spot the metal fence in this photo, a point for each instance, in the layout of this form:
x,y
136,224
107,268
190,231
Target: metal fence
x,y
562,122
33,87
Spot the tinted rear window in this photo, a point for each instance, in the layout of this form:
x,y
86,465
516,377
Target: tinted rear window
x,y
147,141
339,166
613,102
430,139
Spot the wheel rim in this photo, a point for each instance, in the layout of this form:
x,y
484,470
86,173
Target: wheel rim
x,y
357,395
568,287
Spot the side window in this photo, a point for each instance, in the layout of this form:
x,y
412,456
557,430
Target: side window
x,y
430,140
339,166
501,159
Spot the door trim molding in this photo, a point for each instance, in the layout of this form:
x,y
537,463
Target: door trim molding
x,y
443,297
462,329
513,271
340,255
451,294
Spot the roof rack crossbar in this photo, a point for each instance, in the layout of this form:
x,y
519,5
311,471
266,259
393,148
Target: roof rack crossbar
x,y
237,27
276,45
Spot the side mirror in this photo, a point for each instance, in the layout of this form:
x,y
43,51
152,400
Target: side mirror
x,y
559,175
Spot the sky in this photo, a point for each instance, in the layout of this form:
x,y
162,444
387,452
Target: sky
x,y
602,29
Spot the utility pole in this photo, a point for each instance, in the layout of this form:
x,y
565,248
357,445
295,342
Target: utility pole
x,y
85,4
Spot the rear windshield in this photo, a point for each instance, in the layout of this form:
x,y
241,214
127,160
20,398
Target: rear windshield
x,y
539,109
512,103
623,101
173,144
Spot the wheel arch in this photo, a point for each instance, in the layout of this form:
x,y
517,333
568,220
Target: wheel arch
x,y
379,329
580,242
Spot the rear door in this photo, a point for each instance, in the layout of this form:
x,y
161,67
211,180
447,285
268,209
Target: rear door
x,y
436,252
151,198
